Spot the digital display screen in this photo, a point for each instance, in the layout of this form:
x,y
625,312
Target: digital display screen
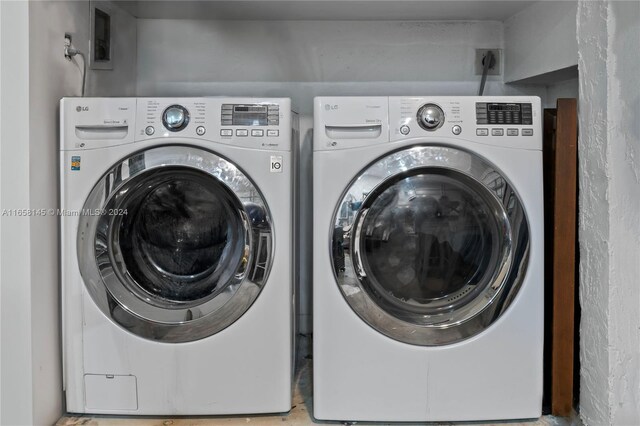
x,y
250,109
504,107
504,113
250,115
250,119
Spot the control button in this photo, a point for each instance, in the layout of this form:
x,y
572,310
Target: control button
x,y
242,132
257,132
512,132
482,132
226,132
271,133
497,132
200,130
527,132
149,130
175,118
456,130
405,130
430,117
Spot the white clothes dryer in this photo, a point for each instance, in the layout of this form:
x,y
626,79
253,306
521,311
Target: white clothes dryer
x,y
177,255
428,258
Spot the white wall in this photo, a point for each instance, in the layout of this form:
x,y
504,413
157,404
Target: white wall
x,y
35,275
562,89
609,149
303,59
15,348
541,49
540,39
300,51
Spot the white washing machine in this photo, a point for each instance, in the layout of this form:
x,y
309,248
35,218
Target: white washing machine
x,y
428,258
177,255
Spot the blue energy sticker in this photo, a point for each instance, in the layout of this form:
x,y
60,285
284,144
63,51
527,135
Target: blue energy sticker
x,y
75,162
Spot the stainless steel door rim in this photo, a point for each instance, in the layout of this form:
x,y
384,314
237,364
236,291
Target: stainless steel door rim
x,y
182,264
439,245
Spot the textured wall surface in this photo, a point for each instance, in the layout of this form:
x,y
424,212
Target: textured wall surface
x,y
608,37
594,212
624,138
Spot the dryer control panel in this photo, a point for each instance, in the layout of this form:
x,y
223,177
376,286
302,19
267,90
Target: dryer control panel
x,y
507,121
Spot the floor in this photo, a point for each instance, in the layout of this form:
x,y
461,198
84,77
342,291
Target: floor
x,y
299,414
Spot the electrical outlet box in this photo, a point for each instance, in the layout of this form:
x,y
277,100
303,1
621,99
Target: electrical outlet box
x,y
101,53
496,68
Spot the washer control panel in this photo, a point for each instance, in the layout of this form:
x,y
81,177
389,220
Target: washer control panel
x,y
251,122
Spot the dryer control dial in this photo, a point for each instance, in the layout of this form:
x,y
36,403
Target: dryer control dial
x,y
175,118
430,116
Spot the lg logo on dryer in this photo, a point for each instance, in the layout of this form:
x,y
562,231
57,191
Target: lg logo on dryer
x,y
330,107
82,108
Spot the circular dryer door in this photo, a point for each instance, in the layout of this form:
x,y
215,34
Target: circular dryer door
x,y
174,243
430,245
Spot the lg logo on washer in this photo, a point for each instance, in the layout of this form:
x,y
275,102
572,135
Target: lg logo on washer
x,y
329,107
82,108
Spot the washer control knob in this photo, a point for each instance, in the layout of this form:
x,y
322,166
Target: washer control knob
x,y
149,130
200,130
175,118
405,129
430,116
456,130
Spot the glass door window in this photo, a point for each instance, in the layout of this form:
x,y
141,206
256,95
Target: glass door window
x,y
180,251
431,244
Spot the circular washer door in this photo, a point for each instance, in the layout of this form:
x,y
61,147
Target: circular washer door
x,y
174,243
430,245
